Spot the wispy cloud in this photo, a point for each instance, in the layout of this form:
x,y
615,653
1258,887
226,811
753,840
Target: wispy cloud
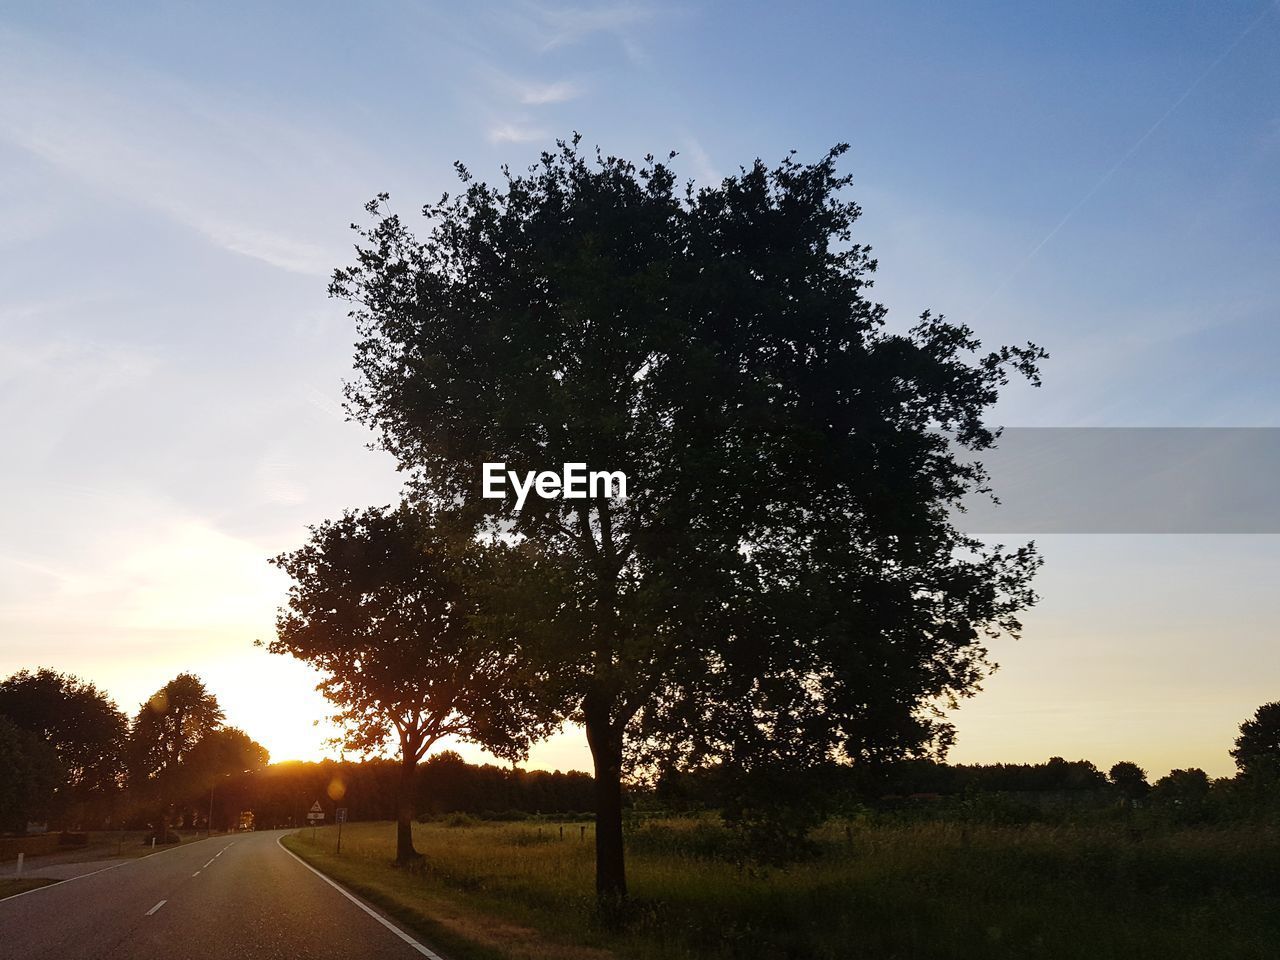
x,y
514,133
80,367
540,94
150,140
515,126
703,168
565,25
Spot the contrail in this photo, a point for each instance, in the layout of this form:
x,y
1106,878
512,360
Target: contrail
x,y
1137,145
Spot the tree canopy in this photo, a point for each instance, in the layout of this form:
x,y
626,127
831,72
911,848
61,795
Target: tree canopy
x,y
783,583
29,775
171,723
380,604
81,723
1130,779
1259,738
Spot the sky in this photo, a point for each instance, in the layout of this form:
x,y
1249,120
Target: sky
x,y
177,182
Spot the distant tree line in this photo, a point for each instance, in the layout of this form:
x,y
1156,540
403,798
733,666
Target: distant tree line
x,y
280,795
774,815
69,757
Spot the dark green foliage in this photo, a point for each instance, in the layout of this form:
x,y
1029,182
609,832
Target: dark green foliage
x,y
221,753
181,749
170,725
447,783
783,585
1183,792
29,774
82,724
1129,779
279,795
382,605
1259,738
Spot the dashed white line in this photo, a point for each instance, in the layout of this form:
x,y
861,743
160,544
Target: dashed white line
x,y
156,907
206,866
196,874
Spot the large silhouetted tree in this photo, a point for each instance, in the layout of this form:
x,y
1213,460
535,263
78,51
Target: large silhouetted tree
x,y
1259,738
784,584
80,722
379,605
162,738
1130,779
29,775
170,725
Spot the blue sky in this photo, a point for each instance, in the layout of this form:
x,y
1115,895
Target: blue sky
x,y
176,182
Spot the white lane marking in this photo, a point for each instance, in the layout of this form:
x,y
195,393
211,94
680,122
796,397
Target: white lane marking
x,y
196,874
206,866
49,886
429,954
156,907
93,873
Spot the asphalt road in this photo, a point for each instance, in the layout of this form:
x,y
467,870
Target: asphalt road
x,y
239,897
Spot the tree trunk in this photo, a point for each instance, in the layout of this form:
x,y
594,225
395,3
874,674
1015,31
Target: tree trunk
x,y
606,753
405,852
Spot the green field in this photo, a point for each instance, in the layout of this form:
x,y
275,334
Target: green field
x,y
925,890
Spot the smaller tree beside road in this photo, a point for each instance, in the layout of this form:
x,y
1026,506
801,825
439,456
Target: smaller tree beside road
x,y
380,605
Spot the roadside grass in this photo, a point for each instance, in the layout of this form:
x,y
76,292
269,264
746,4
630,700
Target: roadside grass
x,y
9,887
43,850
924,891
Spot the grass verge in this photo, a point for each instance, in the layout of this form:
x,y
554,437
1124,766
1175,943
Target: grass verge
x,y
9,886
921,891
461,926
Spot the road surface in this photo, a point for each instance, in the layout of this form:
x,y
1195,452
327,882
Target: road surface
x,y
238,897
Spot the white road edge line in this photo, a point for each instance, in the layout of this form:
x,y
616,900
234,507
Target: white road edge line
x,y
156,907
429,954
94,873
49,886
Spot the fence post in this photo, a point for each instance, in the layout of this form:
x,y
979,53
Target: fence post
x,y
19,873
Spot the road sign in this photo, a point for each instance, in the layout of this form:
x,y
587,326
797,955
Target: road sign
x,y
316,812
340,817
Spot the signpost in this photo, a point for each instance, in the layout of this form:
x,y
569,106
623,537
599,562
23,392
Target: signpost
x,y
315,815
340,817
